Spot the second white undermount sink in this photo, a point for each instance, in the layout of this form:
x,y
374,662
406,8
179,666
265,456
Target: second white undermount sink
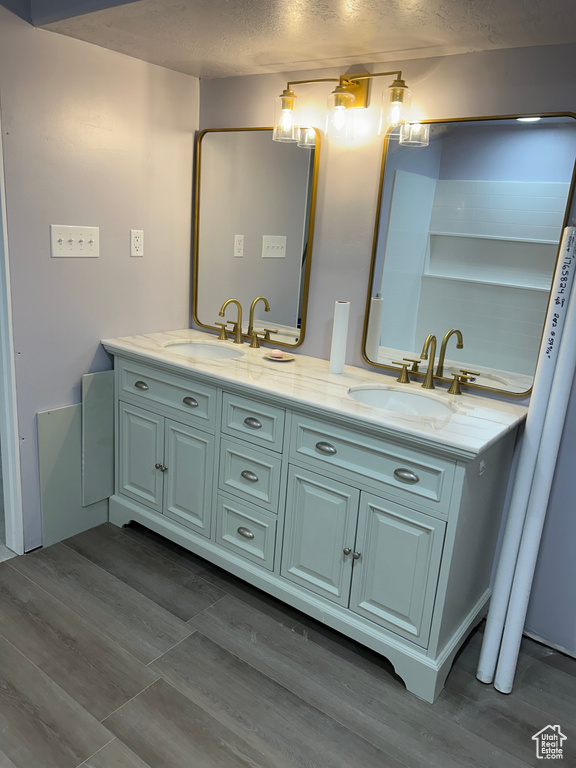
x,y
207,351
406,402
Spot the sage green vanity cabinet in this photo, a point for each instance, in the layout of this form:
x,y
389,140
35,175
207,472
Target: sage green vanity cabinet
x,y
386,537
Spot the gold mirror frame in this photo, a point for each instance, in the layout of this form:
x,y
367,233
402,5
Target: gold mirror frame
x,y
309,245
569,202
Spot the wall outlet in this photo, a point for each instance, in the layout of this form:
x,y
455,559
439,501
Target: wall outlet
x,y
238,246
273,246
136,242
74,242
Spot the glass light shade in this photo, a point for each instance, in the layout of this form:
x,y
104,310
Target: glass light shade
x,y
415,134
339,120
396,100
306,137
285,117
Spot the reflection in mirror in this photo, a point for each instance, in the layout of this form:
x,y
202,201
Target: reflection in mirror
x,y
467,238
254,222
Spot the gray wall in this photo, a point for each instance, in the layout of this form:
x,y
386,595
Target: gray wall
x,y
90,137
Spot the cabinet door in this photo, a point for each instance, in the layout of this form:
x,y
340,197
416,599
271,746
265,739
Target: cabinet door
x,y
394,580
141,448
321,518
189,458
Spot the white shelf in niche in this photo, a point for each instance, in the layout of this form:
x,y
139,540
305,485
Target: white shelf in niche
x,y
520,286
491,261
497,237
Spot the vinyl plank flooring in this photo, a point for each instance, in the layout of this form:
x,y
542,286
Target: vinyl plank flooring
x,y
41,726
287,730
225,581
115,755
167,730
176,589
93,670
126,617
396,722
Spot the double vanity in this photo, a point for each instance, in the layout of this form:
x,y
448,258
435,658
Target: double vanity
x,y
372,507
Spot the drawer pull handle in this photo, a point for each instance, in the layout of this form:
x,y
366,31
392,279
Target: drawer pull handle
x,y
193,403
252,422
406,475
141,385
326,448
245,532
347,551
356,555
250,476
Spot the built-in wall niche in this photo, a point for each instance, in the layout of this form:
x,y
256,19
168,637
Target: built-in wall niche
x,y
467,237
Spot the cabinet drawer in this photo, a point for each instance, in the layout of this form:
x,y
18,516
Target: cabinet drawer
x,y
260,424
249,473
408,474
246,532
179,394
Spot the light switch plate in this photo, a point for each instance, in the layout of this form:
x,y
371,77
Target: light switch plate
x,y
273,246
74,242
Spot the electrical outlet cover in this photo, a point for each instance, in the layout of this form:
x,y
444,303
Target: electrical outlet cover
x,y
136,242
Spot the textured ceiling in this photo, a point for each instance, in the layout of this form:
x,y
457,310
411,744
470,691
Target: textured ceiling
x,y
220,38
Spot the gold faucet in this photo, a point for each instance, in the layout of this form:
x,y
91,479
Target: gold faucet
x,y
459,345
237,330
252,308
430,343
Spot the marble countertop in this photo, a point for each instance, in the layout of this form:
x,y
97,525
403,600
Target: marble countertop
x,y
476,423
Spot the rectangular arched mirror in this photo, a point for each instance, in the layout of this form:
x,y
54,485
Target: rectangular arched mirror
x,y
467,236
253,229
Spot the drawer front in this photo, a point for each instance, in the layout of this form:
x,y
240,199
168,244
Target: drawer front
x,y
246,532
259,423
197,401
408,474
249,473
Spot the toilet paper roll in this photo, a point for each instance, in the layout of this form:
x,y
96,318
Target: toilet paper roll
x,y
374,329
339,336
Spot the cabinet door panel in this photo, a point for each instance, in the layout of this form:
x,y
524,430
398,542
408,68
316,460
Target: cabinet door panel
x,y
188,480
321,518
394,581
141,447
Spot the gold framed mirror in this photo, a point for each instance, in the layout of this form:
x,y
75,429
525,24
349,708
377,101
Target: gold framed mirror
x,y
255,202
466,238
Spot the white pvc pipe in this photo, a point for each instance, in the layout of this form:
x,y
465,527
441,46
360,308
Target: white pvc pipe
x,y
547,358
539,496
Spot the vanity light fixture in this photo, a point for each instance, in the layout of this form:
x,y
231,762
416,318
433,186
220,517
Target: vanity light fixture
x,y
351,91
415,134
527,119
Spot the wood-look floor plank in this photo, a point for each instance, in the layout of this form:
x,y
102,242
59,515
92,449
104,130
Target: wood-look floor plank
x,y
115,755
225,581
40,725
386,715
167,730
92,669
125,616
176,589
287,730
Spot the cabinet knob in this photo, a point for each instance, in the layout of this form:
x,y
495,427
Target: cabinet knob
x,y
356,555
246,532
326,448
141,385
161,467
192,402
158,466
406,475
253,422
346,550
250,476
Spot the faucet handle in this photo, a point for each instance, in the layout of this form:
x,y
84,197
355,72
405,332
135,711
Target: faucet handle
x,y
459,378
222,335
255,343
268,331
471,374
403,378
415,363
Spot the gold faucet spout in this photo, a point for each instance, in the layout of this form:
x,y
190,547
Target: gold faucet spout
x,y
459,345
252,308
238,324
429,344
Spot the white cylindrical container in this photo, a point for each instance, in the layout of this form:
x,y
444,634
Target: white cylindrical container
x,y
339,336
373,330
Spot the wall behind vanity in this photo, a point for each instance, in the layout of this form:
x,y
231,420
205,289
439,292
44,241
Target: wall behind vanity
x,y
91,137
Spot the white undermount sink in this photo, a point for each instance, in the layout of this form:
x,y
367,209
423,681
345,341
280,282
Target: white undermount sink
x,y
199,349
406,402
